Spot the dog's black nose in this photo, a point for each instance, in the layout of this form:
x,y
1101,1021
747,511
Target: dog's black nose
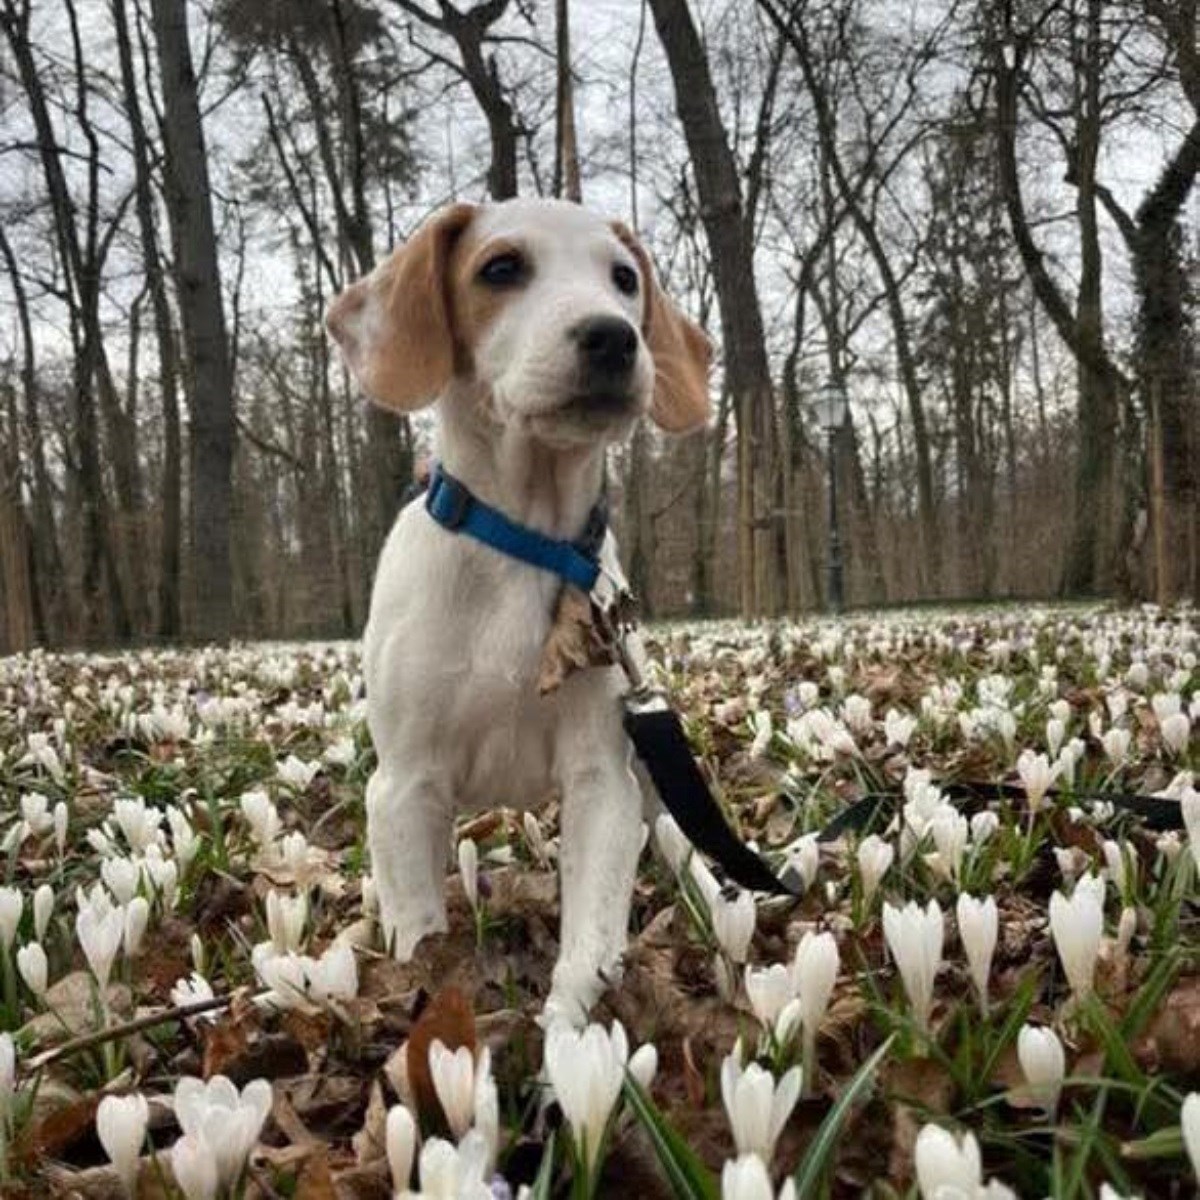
x,y
608,345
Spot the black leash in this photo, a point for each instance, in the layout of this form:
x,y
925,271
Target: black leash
x,y
658,737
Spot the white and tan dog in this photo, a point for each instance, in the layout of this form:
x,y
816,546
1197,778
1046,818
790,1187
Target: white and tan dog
x,y
541,332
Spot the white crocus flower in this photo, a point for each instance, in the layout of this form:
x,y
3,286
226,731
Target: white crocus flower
x,y
951,832
121,876
915,938
803,857
453,1073
948,1169
586,1070
228,1122
334,976
643,1065
1116,745
874,859
43,909
1037,776
136,917
34,968
1056,731
747,1178
262,817
1044,1064
293,852
11,906
1077,925
400,1139
1189,1119
768,989
757,1106
979,928
468,868
286,918
1175,731
455,1173
983,826
296,773
733,924
121,1127
192,990
61,817
814,974
195,1168
898,728
100,934
1117,858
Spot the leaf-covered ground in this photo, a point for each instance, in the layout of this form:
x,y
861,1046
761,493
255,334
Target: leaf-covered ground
x,y
214,801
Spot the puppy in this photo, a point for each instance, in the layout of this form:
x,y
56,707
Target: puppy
x,y
539,330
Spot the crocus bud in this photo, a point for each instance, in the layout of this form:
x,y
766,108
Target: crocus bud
x,y
747,1178
121,1127
768,989
1043,1061
43,909
453,1075
137,917
979,927
874,858
586,1070
468,867
757,1106
11,905
1189,1118
61,816
401,1141
643,1065
100,935
194,1168
915,937
1076,925
733,924
31,962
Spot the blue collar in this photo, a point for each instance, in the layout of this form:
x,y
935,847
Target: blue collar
x,y
455,507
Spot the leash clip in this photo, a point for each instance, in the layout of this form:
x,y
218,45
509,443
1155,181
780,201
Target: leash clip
x,y
614,608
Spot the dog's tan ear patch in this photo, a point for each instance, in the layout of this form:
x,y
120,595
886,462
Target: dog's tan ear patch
x,y
681,351
395,326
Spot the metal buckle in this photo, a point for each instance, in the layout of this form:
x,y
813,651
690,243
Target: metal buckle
x,y
614,608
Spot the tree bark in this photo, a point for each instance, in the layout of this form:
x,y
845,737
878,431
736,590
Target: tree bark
x,y
205,336
729,241
168,622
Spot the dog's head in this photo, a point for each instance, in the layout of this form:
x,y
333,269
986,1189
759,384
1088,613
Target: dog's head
x,y
553,312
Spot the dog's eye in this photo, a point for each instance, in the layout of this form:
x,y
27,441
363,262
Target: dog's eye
x,y
505,270
626,279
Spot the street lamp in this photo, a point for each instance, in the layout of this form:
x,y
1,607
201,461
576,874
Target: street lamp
x,y
831,405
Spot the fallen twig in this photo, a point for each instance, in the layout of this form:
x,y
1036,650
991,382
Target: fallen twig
x,y
99,1037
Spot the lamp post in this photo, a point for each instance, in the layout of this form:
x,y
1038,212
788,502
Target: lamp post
x,y
831,405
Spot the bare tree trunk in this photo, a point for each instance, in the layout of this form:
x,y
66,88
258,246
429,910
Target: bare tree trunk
x,y
469,30
49,597
851,196
1103,387
205,336
566,151
747,369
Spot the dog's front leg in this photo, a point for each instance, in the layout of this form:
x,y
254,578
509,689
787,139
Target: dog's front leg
x,y
408,828
601,841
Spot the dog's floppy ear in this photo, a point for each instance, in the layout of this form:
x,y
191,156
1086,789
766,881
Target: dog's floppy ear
x,y
394,326
680,349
